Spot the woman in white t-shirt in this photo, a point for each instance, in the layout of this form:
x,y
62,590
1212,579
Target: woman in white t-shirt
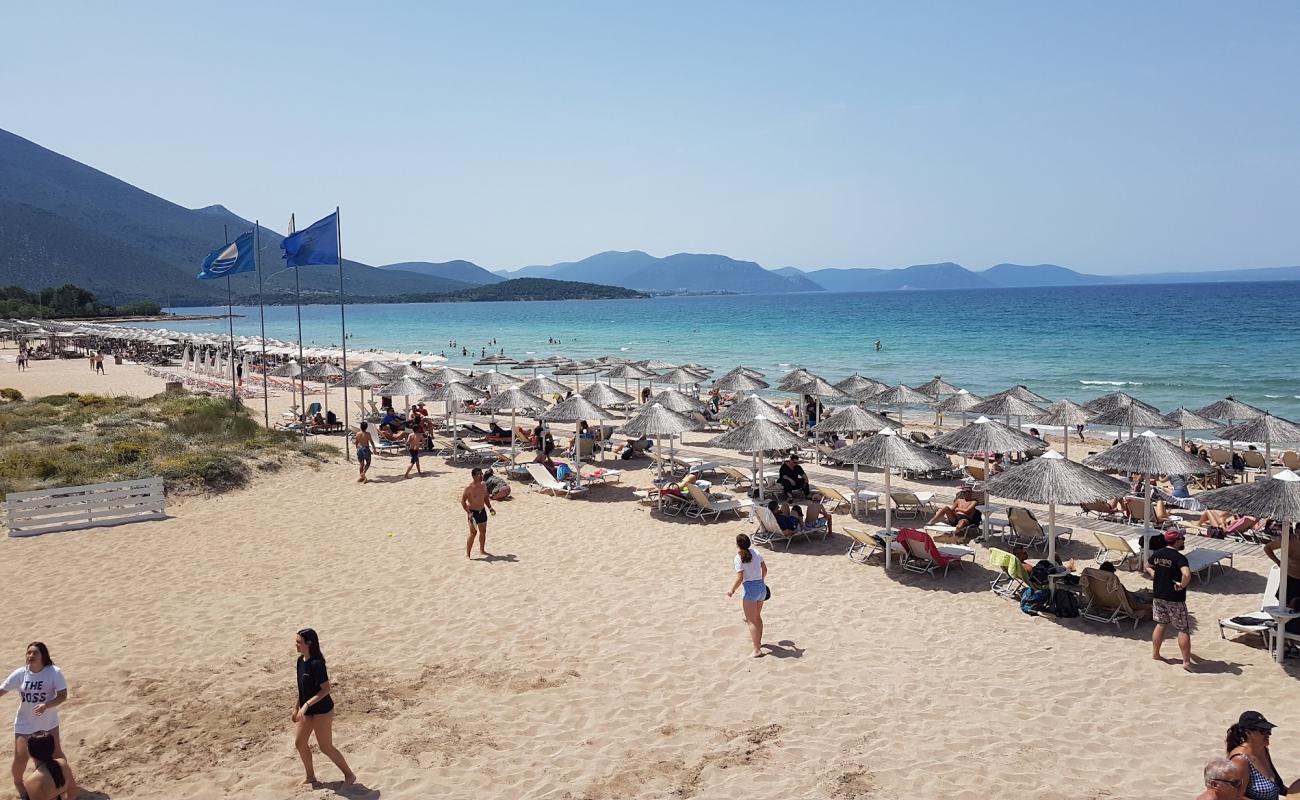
x,y
751,571
41,688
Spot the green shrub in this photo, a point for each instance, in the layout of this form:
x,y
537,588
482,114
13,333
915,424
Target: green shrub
x,y
218,472
10,394
128,452
58,399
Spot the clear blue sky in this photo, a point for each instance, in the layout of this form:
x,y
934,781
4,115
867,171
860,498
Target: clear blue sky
x,y
1109,137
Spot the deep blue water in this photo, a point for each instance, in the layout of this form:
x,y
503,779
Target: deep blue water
x,y
1170,344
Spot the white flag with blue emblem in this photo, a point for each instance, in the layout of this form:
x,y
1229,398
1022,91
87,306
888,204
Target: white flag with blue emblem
x,y
230,259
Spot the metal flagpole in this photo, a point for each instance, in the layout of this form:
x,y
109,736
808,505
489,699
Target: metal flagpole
x,y
261,310
302,365
338,232
230,316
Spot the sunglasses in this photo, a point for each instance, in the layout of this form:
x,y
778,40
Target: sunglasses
x,y
1234,783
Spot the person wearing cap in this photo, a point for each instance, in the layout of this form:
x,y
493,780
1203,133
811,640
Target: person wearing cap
x,y
1221,781
1247,745
792,477
1170,575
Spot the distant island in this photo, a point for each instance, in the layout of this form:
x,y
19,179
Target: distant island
x,y
516,290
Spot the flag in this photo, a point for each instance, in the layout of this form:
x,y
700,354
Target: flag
x,y
317,244
230,259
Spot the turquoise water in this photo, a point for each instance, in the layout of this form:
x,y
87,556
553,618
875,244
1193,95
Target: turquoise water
x,y
1169,345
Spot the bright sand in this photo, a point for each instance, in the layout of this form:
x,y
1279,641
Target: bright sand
x,y
595,657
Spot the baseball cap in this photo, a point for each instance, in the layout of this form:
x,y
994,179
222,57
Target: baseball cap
x,y
1254,721
1173,536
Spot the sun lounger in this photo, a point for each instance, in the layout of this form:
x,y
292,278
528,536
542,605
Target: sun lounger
x,y
545,482
926,557
1256,621
603,476
909,504
769,532
735,477
1108,601
1012,577
831,498
1099,509
1027,531
863,546
703,504
975,472
1202,561
1116,549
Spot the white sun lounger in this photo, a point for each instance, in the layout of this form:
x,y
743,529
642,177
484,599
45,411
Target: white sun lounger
x,y
1256,621
544,482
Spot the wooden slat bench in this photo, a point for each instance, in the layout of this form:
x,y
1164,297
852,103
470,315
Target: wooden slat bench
x,y
75,507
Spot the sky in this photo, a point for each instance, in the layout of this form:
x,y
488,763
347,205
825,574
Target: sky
x,y
1110,137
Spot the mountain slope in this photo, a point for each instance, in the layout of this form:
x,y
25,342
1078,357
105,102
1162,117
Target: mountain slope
x,y
946,275
466,272
635,269
1020,276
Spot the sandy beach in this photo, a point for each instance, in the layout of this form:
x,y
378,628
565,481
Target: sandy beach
x,y
594,656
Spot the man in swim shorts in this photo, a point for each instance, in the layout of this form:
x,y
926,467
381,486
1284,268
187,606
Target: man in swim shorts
x,y
414,441
365,446
477,504
963,514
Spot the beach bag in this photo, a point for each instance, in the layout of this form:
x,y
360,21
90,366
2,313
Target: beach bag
x,y
769,592
1033,601
1064,604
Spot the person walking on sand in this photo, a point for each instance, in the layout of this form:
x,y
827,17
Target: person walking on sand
x,y
751,570
52,779
314,713
414,441
41,688
99,363
365,449
1171,574
477,504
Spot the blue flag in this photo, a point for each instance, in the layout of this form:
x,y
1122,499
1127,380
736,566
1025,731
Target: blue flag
x,y
318,244
230,259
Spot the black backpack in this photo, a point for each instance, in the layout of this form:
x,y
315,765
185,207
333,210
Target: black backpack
x,y
1063,604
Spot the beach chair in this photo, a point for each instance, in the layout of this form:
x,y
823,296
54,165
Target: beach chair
x,y
1027,531
602,475
1291,460
832,498
735,478
769,533
1242,530
1099,509
926,557
1116,549
1221,457
1202,561
1255,461
587,447
544,482
1108,601
863,546
1256,621
1012,577
908,504
313,409
975,472
703,504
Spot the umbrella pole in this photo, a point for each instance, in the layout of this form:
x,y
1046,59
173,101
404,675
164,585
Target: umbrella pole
x,y
1146,525
577,457
1282,599
889,520
1268,458
513,451
1051,532
984,535
1065,436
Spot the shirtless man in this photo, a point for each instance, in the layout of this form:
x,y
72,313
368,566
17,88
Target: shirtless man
x,y
477,505
961,514
414,441
365,449
1292,564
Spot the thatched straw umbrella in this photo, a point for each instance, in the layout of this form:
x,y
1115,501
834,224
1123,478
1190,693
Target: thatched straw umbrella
x,y
630,371
406,387
794,377
1278,498
363,379
680,377
901,395
408,371
602,394
1100,405
1022,392
743,370
1130,416
531,363
888,451
961,402
851,419
1185,421
984,436
575,409
1150,455
493,380
655,364
674,400
817,388
738,382
494,358
514,400
1267,429
657,421
323,372
1053,479
753,407
1230,410
698,368
1007,405
289,369
1067,414
936,387
377,367
452,395
756,437
543,386
578,369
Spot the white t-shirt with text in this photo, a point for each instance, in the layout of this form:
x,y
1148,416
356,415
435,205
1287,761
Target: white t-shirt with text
x,y
753,571
34,688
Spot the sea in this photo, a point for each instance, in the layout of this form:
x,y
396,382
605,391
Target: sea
x,y
1171,345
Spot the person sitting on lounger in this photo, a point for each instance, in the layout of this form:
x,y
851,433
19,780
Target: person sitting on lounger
x,y
792,478
318,420
816,515
331,418
639,445
497,434
1138,600
961,514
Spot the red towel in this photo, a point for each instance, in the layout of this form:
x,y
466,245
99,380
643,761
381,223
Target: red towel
x,y
907,534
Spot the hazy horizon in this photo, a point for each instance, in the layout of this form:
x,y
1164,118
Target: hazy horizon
x,y
1110,139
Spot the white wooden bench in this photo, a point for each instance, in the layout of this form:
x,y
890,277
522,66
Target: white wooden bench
x,y
75,507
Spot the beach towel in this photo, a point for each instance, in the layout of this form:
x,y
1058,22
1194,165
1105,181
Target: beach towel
x,y
1014,566
907,534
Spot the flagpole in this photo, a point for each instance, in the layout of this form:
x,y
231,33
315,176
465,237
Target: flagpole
x,y
261,311
302,365
230,317
338,231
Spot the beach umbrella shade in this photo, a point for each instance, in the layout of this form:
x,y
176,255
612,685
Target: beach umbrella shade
x,y
408,371
743,370
900,395
362,379
1106,402
493,380
289,369
513,399
452,395
1054,479
1230,410
443,375
937,386
753,407
851,419
1276,498
655,364
889,451
983,437
1267,429
961,402
1022,392
738,382
578,369
793,378
629,372
1067,414
756,437
856,385
674,400
406,387
495,359
575,409
1150,455
376,367
1007,405
542,386
1185,421
602,394
700,368
1130,416
657,421
681,377
531,363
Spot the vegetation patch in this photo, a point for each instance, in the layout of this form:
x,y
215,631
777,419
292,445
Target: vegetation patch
x,y
196,443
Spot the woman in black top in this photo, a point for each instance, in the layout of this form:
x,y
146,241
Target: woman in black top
x,y
315,710
52,779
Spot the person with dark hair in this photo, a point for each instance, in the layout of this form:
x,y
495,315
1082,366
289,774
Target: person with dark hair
x,y
1170,575
52,779
41,688
962,513
498,488
365,447
414,441
792,478
314,713
785,520
1247,746
751,571
477,505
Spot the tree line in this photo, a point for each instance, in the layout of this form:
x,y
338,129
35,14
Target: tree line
x,y
64,302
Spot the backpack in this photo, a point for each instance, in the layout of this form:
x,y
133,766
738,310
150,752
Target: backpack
x,y
1064,604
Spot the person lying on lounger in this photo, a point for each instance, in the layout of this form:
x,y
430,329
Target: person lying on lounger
x,y
787,522
961,514
497,434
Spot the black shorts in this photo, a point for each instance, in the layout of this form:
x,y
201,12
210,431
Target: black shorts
x,y
479,516
972,517
415,456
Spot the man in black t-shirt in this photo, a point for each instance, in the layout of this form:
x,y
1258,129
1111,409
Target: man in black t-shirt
x,y
1170,575
792,478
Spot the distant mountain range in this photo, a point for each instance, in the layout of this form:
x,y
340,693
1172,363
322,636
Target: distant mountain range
x,y
64,222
